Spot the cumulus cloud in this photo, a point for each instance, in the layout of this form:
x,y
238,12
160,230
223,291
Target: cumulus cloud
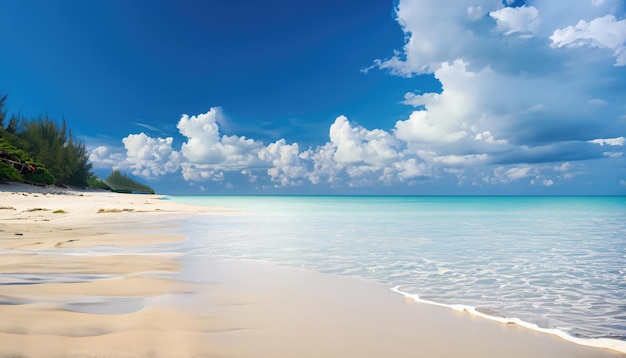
x,y
288,167
435,35
354,144
523,20
602,32
472,159
445,113
103,157
619,141
149,157
510,113
201,172
205,145
518,172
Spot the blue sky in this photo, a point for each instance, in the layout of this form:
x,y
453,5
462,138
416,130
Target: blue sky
x,y
331,97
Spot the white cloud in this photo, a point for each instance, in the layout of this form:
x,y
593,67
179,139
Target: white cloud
x,y
444,113
523,20
547,182
496,99
347,141
355,144
410,169
201,172
506,175
103,157
518,173
434,34
288,167
206,146
324,165
461,160
612,154
148,156
487,137
619,141
202,132
602,32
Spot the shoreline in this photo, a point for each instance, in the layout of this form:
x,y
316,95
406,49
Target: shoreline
x,y
57,300
276,311
615,345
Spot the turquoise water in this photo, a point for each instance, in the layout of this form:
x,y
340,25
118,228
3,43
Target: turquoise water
x,y
555,262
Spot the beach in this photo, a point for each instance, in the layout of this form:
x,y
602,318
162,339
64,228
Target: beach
x,y
80,278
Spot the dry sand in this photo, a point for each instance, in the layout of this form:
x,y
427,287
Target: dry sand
x,y
124,302
56,302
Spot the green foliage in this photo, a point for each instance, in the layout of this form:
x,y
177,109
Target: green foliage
x,y
42,151
41,176
14,139
9,173
123,183
21,164
65,158
10,150
14,124
93,182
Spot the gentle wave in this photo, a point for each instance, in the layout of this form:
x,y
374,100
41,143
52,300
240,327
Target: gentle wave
x,y
606,343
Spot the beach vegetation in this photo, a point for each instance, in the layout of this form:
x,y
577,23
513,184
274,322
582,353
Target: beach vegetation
x,y
8,173
17,165
100,211
94,182
123,183
59,211
41,151
54,146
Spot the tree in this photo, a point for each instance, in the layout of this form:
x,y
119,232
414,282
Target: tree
x,y
46,147
14,124
3,111
66,159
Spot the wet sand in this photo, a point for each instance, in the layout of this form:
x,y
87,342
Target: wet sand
x,y
75,282
263,310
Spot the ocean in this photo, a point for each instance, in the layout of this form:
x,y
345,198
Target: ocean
x,y
554,264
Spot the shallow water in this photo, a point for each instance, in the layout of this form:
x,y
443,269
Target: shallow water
x,y
557,262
